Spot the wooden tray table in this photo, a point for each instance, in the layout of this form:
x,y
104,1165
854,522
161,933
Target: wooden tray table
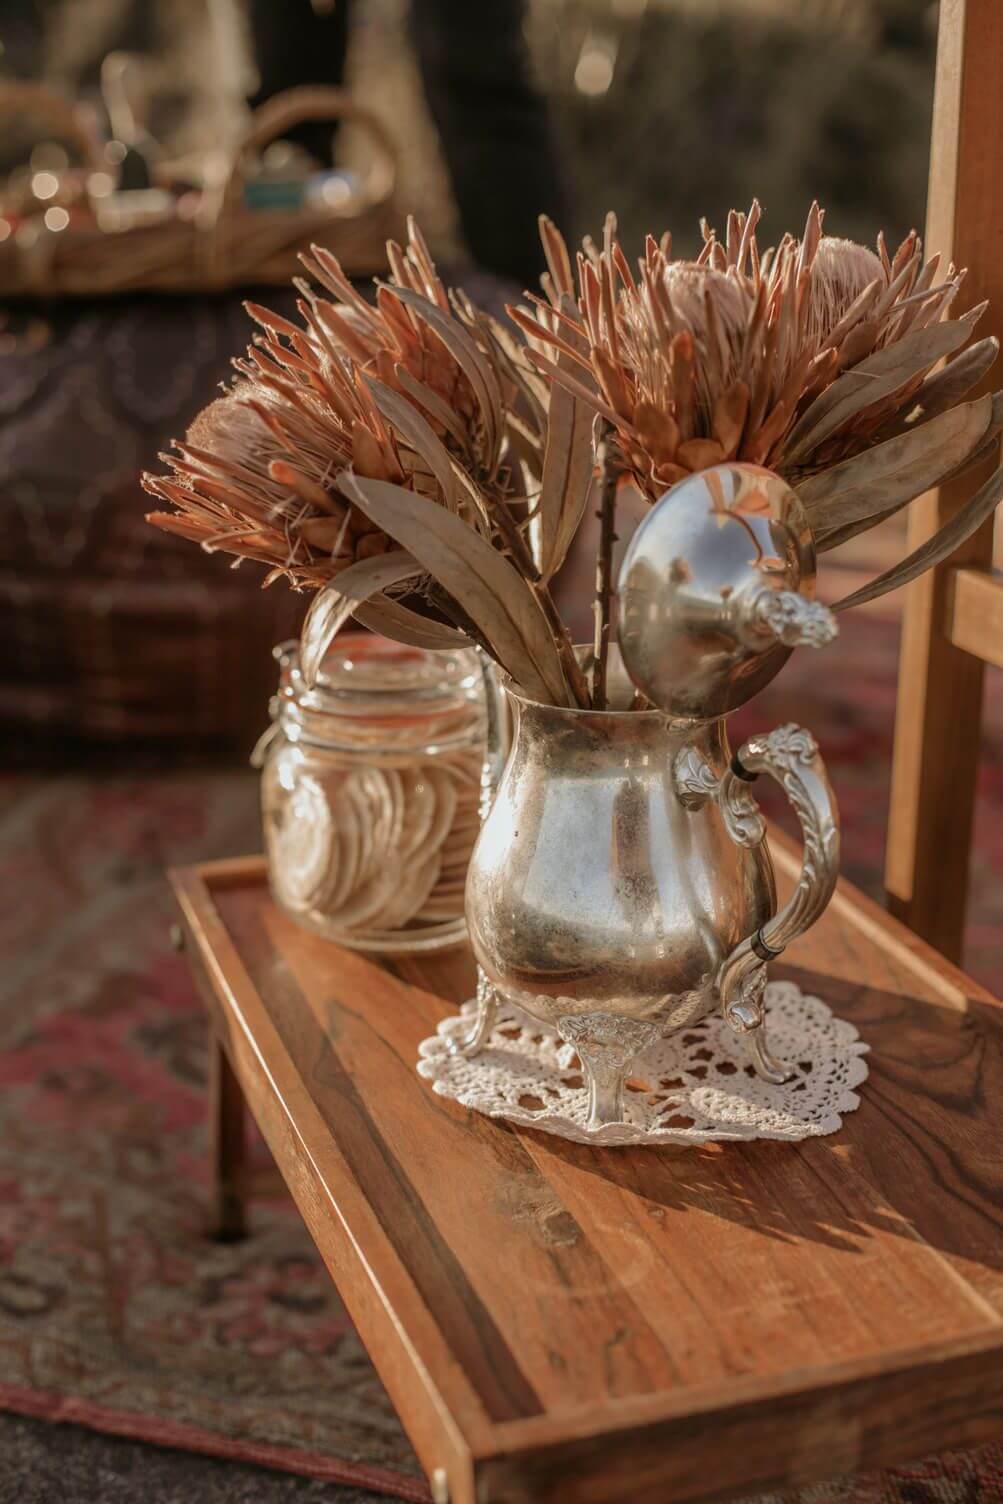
x,y
560,1323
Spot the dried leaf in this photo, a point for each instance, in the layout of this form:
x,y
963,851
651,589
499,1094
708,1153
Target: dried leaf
x,y
941,390
858,344
875,378
523,444
559,377
418,433
567,476
852,496
670,475
977,510
372,457
556,252
730,412
322,532
537,329
174,522
433,404
398,622
683,377
463,348
497,599
307,489
511,354
334,604
700,454
988,445
858,310
657,431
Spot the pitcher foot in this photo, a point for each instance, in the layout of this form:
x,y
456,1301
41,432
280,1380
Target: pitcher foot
x,y
607,1046
476,1037
765,1064
747,1017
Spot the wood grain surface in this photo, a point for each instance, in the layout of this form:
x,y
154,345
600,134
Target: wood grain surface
x,y
555,1322
975,613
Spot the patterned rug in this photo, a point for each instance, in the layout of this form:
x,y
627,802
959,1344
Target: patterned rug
x,y
115,1310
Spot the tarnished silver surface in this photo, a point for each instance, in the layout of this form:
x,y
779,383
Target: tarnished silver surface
x,y
475,1038
791,756
785,616
716,589
591,886
607,1045
593,890
621,886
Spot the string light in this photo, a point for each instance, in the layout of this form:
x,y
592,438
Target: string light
x,y
596,64
45,185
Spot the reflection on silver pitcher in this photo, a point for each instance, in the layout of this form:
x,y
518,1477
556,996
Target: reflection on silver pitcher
x,y
621,887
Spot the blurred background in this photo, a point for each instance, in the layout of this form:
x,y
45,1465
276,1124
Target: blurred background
x,y
135,671
665,110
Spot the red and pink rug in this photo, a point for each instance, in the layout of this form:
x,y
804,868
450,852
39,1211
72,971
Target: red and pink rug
x,y
115,1310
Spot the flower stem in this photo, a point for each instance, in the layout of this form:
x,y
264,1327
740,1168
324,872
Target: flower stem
x,y
609,471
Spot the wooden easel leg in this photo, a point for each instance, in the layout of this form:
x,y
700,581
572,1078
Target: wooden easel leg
x,y
226,1147
939,706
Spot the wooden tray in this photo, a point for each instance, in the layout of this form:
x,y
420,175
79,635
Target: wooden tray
x,y
560,1323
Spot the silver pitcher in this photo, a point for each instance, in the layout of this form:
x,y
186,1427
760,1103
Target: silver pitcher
x,y
621,887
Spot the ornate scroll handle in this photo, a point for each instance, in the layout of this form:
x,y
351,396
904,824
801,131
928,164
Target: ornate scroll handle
x,y
791,756
786,616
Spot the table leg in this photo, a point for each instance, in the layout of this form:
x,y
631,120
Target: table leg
x,y
226,1147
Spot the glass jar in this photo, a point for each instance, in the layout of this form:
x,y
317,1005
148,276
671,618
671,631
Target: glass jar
x,y
371,791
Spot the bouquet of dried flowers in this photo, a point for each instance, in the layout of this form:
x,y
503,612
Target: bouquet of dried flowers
x,y
425,471
816,359
389,448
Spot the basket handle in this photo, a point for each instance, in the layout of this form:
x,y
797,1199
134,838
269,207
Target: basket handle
x,y
20,98
279,114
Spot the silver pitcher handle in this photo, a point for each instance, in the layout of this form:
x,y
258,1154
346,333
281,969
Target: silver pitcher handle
x,y
791,756
497,737
496,755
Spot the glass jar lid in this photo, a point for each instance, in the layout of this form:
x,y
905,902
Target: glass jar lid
x,y
373,692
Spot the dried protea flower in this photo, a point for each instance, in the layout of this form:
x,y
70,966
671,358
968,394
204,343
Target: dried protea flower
x,y
830,305
697,362
840,272
818,359
417,391
398,457
238,491
252,478
428,472
715,309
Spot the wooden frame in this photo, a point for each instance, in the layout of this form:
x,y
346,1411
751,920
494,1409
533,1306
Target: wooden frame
x,y
710,1323
975,613
953,615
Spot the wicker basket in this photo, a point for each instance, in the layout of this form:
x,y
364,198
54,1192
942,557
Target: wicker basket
x,y
212,240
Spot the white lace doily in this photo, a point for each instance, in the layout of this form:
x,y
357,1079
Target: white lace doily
x,y
692,1087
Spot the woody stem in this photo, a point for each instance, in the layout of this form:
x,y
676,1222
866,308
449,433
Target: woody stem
x,y
609,471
